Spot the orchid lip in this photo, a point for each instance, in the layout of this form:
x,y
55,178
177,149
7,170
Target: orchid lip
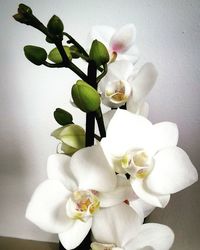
x,y
137,163
82,205
118,91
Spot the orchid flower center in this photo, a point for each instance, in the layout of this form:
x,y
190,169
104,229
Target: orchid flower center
x,y
137,163
82,205
99,246
118,91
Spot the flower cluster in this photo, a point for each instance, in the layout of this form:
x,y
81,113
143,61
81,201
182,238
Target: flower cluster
x,y
107,184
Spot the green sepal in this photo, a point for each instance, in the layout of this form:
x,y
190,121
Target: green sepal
x,y
36,55
98,53
85,96
62,117
72,137
55,25
55,56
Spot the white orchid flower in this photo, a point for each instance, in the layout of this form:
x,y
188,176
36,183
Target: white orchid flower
x,y
123,85
120,228
148,153
120,43
76,188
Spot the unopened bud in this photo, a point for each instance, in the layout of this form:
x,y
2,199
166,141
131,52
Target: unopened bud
x,y
72,137
74,51
55,26
36,55
85,96
24,9
62,117
99,53
55,56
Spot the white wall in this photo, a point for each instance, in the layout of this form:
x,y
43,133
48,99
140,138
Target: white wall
x,y
168,35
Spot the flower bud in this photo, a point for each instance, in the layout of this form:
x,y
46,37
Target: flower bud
x,y
85,96
74,51
55,26
24,9
62,117
36,55
72,137
99,53
55,56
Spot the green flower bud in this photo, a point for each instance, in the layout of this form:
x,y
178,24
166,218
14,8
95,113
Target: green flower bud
x,y
36,55
55,56
24,9
24,14
20,18
72,137
62,117
99,53
74,51
85,96
55,26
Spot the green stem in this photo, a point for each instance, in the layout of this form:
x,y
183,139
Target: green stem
x,y
100,122
105,70
90,117
68,63
78,46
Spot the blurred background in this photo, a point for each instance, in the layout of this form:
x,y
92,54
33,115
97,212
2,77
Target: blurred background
x,y
168,34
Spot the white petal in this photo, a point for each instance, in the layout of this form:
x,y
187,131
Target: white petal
x,y
110,225
146,195
157,236
126,131
71,238
140,108
163,135
131,55
144,109
144,81
123,38
120,69
142,208
46,208
58,168
102,33
121,193
108,116
172,172
92,171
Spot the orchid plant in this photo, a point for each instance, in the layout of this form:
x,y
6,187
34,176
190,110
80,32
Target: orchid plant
x,y
101,186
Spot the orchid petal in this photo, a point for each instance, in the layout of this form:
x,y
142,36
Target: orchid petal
x,y
58,169
46,208
142,208
120,69
172,172
152,236
108,116
91,170
71,238
164,134
123,38
102,33
110,225
144,81
125,131
148,196
121,193
131,55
